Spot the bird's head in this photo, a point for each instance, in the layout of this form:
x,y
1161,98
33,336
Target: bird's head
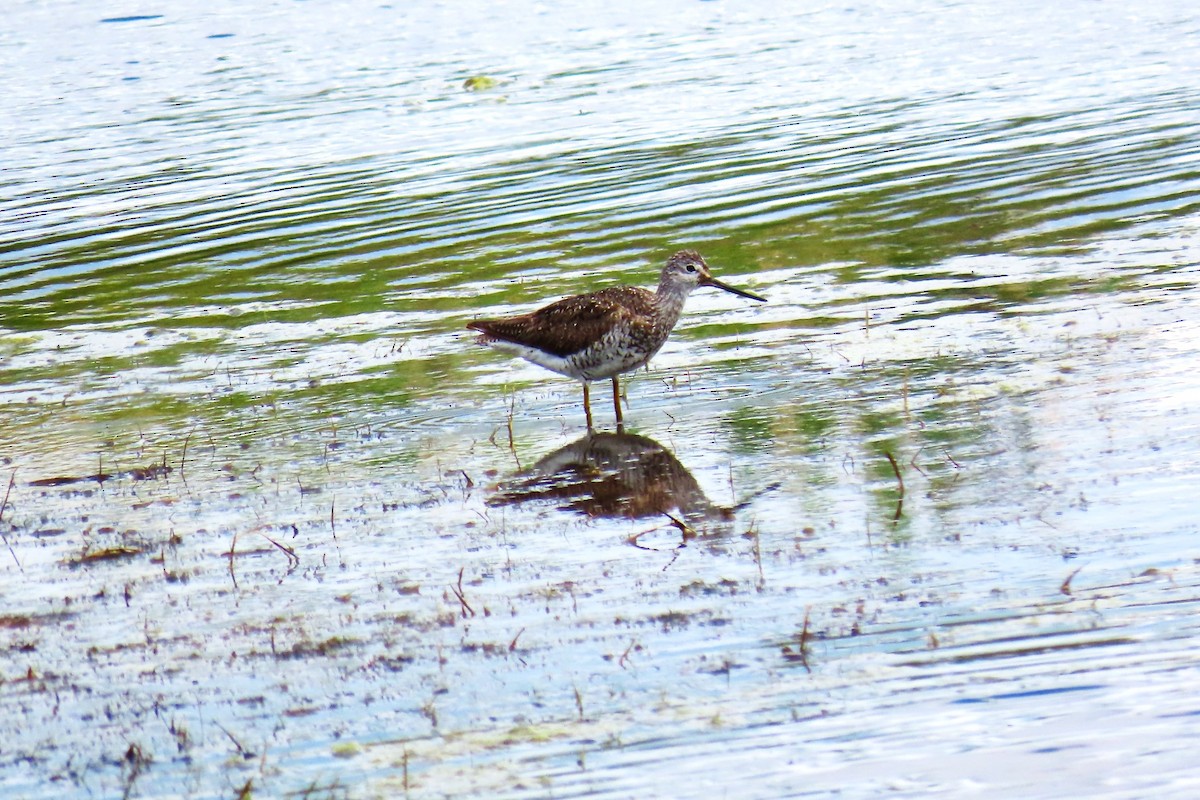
x,y
687,270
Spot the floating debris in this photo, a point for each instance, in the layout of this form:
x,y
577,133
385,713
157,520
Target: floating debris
x,y
480,83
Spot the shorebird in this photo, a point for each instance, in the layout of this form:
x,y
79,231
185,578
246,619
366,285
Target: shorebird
x,y
590,337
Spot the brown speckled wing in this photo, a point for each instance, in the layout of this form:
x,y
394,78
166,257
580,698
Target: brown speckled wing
x,y
571,324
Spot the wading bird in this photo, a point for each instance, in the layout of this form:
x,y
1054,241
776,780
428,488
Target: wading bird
x,y
590,337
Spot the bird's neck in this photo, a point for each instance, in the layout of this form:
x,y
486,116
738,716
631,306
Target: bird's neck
x,y
669,300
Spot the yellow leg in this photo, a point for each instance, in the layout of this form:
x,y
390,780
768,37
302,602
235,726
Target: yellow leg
x,y
617,404
587,405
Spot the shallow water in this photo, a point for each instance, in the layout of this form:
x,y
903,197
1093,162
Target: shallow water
x,y
931,528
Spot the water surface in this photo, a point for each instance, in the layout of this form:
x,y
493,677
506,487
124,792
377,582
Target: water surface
x,y
921,525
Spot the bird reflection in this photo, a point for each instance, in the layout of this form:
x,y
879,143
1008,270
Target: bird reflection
x,y
613,475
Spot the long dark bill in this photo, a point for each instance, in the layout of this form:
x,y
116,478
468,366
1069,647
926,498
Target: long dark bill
x,y
732,290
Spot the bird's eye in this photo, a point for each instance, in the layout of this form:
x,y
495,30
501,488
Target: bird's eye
x,y
691,267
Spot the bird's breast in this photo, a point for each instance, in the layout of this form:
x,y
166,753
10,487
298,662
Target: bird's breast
x,y
623,349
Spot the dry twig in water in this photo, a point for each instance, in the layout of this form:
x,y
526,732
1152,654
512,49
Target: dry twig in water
x,y
1065,588
293,559
896,469
11,480
625,656
467,611
900,481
